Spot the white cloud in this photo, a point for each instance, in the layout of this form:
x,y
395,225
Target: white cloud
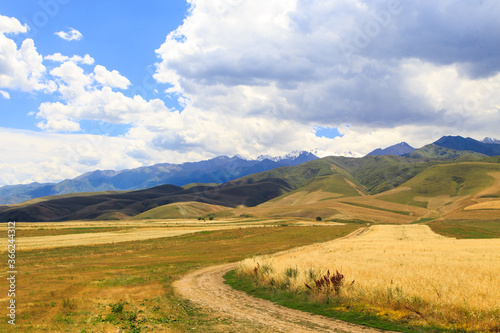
x,y
257,76
5,94
468,103
111,79
72,34
58,57
286,61
27,156
20,69
11,25
72,80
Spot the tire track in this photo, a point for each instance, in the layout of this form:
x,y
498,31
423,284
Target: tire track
x,y
206,288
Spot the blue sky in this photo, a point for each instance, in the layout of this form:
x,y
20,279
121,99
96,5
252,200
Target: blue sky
x,y
121,36
114,85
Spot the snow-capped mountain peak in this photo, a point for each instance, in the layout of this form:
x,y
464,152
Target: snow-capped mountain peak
x,y
491,140
290,156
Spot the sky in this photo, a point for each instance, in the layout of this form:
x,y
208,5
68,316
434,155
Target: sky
x,y
87,85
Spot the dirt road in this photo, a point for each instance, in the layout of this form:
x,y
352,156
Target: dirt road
x,y
206,288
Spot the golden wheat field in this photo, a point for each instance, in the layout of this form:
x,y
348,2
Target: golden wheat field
x,y
400,270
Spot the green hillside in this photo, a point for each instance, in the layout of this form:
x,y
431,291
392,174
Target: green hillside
x,y
333,184
380,173
317,175
179,211
455,179
425,174
295,176
435,152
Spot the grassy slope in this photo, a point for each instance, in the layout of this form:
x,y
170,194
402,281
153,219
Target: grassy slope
x,y
342,176
380,173
333,184
455,179
179,211
467,228
295,176
433,151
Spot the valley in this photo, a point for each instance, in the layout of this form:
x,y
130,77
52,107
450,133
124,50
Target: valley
x,y
424,234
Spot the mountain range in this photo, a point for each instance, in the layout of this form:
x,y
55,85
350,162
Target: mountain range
x,y
223,169
321,185
218,170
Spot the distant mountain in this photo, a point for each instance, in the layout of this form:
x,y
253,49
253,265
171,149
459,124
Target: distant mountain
x,y
110,206
491,140
435,152
293,156
399,149
217,170
342,177
469,144
250,191
349,154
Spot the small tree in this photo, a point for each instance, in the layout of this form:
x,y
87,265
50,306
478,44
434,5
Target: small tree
x,y
318,218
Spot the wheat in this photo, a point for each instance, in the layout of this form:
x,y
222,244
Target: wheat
x,y
402,267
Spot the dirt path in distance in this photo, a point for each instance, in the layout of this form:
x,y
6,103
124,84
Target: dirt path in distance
x,y
206,288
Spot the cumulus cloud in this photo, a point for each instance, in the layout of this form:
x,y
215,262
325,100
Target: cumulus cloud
x,y
110,78
71,34
257,77
58,57
20,68
89,96
373,65
11,25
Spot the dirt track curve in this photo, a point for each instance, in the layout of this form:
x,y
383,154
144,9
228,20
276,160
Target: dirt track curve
x,y
206,288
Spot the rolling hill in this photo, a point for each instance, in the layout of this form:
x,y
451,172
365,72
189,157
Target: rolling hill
x,y
132,203
435,152
444,184
248,191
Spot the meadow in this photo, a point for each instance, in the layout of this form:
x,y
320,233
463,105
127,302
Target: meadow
x,y
127,285
405,274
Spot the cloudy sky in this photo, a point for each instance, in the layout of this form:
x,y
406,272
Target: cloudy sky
x,y
88,85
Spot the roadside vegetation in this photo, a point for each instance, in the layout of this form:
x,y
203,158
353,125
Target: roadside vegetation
x,y
392,277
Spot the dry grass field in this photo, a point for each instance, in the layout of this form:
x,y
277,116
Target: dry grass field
x,y
329,207
125,286
83,239
404,272
32,236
